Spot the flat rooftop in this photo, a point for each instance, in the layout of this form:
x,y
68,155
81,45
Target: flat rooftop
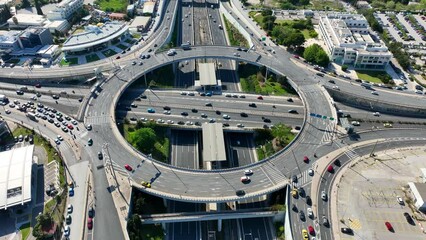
x,y
207,74
213,142
95,35
15,176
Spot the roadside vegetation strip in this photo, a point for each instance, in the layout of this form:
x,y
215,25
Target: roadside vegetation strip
x,y
270,141
235,37
25,230
69,61
375,77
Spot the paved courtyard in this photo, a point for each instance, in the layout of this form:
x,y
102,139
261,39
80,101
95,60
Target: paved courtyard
x,y
367,196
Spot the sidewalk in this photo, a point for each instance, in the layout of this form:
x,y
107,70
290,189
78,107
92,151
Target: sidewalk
x,y
320,169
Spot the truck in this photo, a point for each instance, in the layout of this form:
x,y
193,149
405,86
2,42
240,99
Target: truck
x,y
185,46
32,116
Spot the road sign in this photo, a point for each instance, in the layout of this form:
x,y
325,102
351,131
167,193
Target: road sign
x,y
321,116
263,38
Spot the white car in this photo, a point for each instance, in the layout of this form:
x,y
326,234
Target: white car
x,y
400,200
248,172
7,111
355,123
170,121
226,116
167,112
144,119
311,172
69,208
67,231
324,196
336,88
310,212
419,91
375,93
160,120
60,138
240,125
377,114
74,122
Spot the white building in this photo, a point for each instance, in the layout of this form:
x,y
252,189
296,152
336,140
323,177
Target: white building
x,y
22,21
65,9
148,8
349,42
419,194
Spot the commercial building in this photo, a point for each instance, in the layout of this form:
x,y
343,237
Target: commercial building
x,y
148,8
61,26
95,38
140,24
23,21
34,37
348,41
418,191
65,9
9,40
15,176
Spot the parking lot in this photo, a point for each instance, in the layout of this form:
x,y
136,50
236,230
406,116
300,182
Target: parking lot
x,y
367,196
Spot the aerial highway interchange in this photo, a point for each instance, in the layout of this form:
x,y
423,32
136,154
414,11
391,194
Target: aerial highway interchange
x,y
181,182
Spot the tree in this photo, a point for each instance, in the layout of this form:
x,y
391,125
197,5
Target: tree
x,y
134,226
344,68
294,39
268,22
310,52
282,133
322,58
44,221
390,5
140,202
38,7
143,139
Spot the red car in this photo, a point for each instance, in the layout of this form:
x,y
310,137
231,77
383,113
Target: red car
x,y
118,57
389,226
38,85
89,223
127,166
311,230
296,56
330,169
306,159
260,98
71,127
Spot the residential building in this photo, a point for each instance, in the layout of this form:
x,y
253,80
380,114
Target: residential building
x,y
65,9
348,41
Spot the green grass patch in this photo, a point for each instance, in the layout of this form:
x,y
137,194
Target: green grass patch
x,y
325,5
235,37
306,33
13,60
121,46
279,230
257,16
25,230
69,61
92,58
253,81
136,35
375,76
109,53
112,5
48,207
282,21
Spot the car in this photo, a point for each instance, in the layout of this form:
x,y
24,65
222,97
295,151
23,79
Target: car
x,y
376,114
209,104
194,110
89,223
260,98
150,110
170,122
69,208
310,212
209,94
266,120
240,125
68,219
226,117
296,56
184,113
212,120
70,127
146,184
294,178
218,112
167,108
252,105
347,230
332,81
7,111
64,129
324,196
143,96
181,123
71,191
248,172
225,124
293,111
306,159
100,155
325,221
90,142
91,212
183,93
38,85
128,167
305,235
245,179
133,105
387,125
60,138
409,218
89,127
54,96
191,94
302,216
19,92
375,93
355,123
389,226
400,200
242,96
330,169
308,200
294,192
311,230
311,172
203,115
240,193
336,88
67,231
337,162
243,114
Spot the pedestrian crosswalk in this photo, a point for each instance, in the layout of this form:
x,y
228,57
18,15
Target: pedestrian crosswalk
x,y
98,120
328,133
274,175
348,151
304,178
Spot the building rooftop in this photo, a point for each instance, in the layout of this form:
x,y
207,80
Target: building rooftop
x,y
95,35
207,74
9,36
28,19
148,7
421,188
15,176
140,21
213,142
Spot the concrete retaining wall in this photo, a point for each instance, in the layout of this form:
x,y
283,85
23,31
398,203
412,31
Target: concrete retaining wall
x,y
287,224
375,105
236,24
